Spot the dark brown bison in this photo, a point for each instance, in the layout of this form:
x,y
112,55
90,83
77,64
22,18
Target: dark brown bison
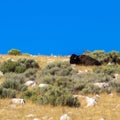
x,y
83,60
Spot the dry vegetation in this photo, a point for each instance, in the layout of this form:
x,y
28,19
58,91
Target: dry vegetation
x,y
107,106
42,60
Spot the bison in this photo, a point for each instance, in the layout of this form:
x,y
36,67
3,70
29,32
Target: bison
x,y
83,60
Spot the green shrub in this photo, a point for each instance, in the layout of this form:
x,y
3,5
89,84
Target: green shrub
x,y
30,74
59,67
54,71
14,52
96,77
7,93
65,82
61,74
28,63
118,89
115,85
90,89
58,96
8,66
114,56
30,95
14,84
19,66
48,79
51,95
1,88
79,86
108,69
17,77
101,55
20,69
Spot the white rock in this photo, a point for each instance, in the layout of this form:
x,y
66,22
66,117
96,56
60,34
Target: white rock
x,y
79,96
1,74
13,60
18,101
30,83
75,96
47,118
101,119
36,119
111,95
30,115
101,84
90,101
65,117
116,76
43,85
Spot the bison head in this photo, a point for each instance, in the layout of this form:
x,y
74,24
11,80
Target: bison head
x,y
74,59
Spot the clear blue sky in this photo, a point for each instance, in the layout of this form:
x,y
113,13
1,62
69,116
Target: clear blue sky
x,y
61,27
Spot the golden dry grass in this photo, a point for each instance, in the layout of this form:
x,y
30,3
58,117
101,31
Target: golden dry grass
x,y
107,107
42,60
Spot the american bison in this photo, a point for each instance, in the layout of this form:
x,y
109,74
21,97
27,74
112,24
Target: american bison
x,y
83,60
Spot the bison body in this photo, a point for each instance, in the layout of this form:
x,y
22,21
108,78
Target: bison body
x,y
83,60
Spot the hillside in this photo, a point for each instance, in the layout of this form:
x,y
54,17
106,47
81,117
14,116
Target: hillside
x,y
108,103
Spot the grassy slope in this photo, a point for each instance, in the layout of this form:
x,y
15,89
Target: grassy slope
x,y
107,106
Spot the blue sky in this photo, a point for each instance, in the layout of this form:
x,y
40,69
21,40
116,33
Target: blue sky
x,y
61,27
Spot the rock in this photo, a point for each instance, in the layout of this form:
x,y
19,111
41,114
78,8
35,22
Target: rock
x,y
65,117
36,119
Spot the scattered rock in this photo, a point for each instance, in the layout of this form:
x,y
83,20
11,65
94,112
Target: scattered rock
x,y
43,85
30,83
65,117
45,117
90,101
1,74
36,119
18,101
102,118
30,115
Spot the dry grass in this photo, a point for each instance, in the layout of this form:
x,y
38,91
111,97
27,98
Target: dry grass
x,y
107,107
1,79
42,60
